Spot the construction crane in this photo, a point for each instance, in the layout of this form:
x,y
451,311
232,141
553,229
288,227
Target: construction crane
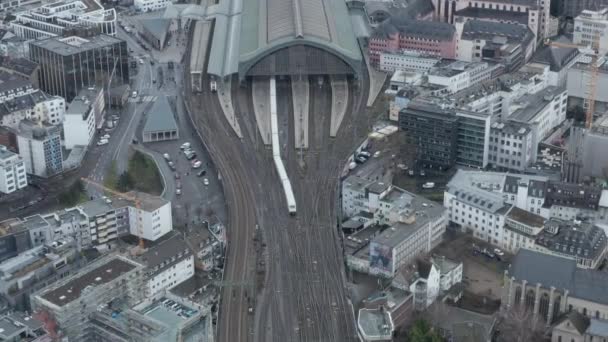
x,y
137,201
593,68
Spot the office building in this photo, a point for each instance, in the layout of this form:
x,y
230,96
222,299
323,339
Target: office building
x,y
68,65
60,18
12,171
473,138
407,61
591,28
558,58
69,302
549,286
434,133
513,145
40,147
578,83
572,9
169,263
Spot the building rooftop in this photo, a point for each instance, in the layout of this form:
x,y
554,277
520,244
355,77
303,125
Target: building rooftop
x,y
357,242
13,82
488,30
511,127
487,13
464,325
557,57
37,131
415,28
8,328
165,253
6,155
102,205
20,65
104,273
572,195
72,45
526,217
158,27
580,239
526,108
375,323
562,273
24,102
160,117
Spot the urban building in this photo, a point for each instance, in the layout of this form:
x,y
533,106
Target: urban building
x,y
167,318
14,238
206,247
509,44
40,147
578,83
533,14
59,18
18,326
69,65
591,28
434,133
559,59
585,150
473,139
36,268
457,324
80,121
35,106
12,86
375,324
11,6
21,66
571,9
12,171
407,61
151,5
428,279
397,34
70,301
530,285
12,46
460,75
405,226
160,122
576,327
513,145
169,263
114,217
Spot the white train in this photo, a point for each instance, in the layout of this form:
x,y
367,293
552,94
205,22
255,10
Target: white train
x,y
276,151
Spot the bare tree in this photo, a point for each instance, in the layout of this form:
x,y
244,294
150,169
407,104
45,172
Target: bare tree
x,y
520,325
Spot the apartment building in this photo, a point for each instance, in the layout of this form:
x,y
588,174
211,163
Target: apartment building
x,y
35,106
513,145
407,61
83,116
169,263
12,171
591,28
459,75
59,18
151,5
40,147
69,65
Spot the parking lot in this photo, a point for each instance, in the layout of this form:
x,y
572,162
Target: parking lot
x,y
482,275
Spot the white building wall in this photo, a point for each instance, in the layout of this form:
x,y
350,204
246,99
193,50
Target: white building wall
x,y
172,276
154,224
406,62
12,174
51,110
483,225
78,131
32,152
151,5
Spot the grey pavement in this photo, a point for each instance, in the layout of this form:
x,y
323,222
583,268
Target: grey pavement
x,y
339,93
300,90
376,81
224,94
261,106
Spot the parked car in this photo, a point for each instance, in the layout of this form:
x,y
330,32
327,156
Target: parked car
x,y
498,252
105,136
201,173
178,185
422,173
360,160
102,142
177,176
205,181
185,146
171,165
411,173
197,164
365,154
428,185
167,156
178,191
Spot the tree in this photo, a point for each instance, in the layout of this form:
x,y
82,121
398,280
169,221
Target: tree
x,y
520,325
125,182
422,331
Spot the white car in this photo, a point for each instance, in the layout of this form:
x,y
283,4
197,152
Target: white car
x,y
197,164
102,142
166,156
178,191
205,181
498,252
185,146
428,185
105,136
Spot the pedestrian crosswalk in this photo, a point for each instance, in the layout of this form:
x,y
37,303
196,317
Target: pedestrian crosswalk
x,y
149,98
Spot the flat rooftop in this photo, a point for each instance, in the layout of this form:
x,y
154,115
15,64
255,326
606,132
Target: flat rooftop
x,y
100,275
526,217
72,45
